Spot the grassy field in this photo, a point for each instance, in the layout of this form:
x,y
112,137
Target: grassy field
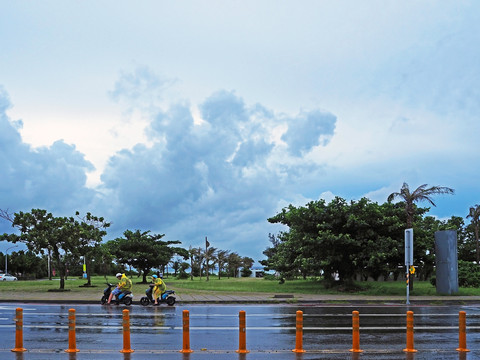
x,y
234,285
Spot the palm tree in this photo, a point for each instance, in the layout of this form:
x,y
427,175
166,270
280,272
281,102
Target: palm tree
x,y
475,215
221,258
422,193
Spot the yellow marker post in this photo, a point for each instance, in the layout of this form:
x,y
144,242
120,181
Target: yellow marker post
x,y
242,343
355,332
299,333
72,343
186,332
410,347
19,331
126,332
462,332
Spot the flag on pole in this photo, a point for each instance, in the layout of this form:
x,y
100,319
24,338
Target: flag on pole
x,y
207,244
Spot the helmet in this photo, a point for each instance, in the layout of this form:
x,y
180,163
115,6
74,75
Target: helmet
x,y
118,275
154,276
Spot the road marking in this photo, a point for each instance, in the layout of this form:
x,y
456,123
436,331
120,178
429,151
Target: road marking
x,y
251,328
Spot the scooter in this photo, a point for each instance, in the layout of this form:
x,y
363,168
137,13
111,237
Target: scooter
x,y
125,297
167,297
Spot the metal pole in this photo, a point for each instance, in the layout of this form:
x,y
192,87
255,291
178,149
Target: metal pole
x,y
6,257
408,287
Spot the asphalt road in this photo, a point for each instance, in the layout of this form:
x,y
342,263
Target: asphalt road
x,y
156,332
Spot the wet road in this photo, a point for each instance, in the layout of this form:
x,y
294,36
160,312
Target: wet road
x,y
156,332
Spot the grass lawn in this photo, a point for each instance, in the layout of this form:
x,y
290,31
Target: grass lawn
x,y
73,284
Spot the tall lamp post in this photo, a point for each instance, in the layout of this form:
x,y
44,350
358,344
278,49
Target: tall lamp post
x,y
6,256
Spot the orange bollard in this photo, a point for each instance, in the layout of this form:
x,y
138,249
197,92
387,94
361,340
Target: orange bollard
x,y
242,347
410,347
186,332
462,332
72,343
126,332
19,331
299,333
355,332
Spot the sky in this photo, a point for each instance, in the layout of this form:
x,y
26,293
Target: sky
x,y
195,119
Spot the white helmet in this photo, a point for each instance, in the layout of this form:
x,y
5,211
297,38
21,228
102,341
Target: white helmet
x,y
118,275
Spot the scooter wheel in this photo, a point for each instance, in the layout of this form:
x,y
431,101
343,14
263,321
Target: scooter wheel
x,y
127,301
170,301
103,300
144,301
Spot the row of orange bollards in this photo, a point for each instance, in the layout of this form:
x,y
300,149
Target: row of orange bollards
x,y
242,348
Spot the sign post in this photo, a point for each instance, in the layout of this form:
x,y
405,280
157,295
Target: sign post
x,y
408,258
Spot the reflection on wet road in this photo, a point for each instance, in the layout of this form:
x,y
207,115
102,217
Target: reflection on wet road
x,y
214,332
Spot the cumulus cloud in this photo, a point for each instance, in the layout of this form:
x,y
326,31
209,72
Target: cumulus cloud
x,y
307,130
51,177
217,176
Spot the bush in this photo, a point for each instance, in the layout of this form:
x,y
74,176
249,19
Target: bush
x,y
468,274
183,275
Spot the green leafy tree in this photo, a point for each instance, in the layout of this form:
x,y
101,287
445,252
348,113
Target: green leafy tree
x,y
234,263
92,229
144,251
474,214
42,232
247,263
27,264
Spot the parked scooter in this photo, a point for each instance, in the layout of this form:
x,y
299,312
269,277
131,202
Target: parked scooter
x,y
167,297
125,297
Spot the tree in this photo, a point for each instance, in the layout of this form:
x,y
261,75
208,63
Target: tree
x,y
210,259
474,214
196,260
27,264
233,264
247,263
222,258
144,251
92,230
422,193
42,232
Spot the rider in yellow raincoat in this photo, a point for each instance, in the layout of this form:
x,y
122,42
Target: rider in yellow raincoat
x,y
159,288
125,284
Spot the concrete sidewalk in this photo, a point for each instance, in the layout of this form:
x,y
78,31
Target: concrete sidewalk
x,y
210,297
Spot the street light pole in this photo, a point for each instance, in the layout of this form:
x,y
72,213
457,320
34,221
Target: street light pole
x,y
6,256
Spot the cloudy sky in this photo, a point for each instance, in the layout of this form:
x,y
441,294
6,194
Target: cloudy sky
x,y
196,119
